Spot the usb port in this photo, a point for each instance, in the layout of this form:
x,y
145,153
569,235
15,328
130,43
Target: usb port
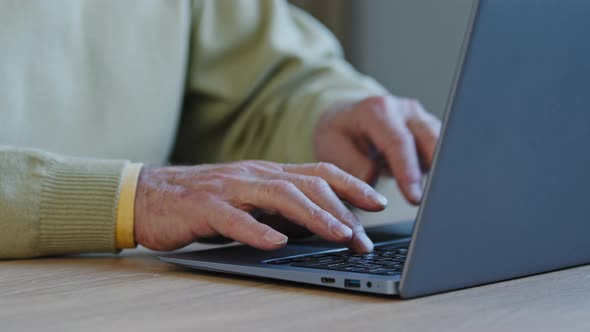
x,y
352,283
328,280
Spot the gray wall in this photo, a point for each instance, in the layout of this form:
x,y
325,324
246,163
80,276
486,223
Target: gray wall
x,y
411,46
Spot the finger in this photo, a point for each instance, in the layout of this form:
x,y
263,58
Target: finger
x,y
346,186
242,227
426,130
320,192
387,130
286,199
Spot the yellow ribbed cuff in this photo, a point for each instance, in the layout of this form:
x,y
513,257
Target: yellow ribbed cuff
x,y
125,237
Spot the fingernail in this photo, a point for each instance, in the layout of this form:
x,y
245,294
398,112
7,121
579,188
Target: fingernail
x,y
416,191
341,231
275,237
380,199
367,243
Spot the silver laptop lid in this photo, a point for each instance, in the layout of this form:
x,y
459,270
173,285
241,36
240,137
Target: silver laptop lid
x,y
509,194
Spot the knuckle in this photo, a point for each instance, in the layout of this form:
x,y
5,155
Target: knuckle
x,y
376,103
223,172
399,138
244,167
351,220
367,191
318,184
353,184
380,112
421,127
281,187
260,166
407,108
325,168
216,183
427,124
349,181
318,216
234,220
269,165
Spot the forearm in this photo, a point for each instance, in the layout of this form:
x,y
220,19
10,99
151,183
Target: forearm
x,y
52,205
261,75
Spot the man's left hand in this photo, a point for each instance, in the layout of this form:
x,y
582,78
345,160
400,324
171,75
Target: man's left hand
x,y
355,137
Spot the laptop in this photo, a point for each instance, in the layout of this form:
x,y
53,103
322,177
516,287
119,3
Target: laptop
x,y
509,192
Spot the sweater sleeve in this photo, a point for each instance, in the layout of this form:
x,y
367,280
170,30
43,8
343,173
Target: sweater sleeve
x,y
53,205
261,74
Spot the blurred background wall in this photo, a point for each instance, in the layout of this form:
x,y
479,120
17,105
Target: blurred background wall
x,y
410,46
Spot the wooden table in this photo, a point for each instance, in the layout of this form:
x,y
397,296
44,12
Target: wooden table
x,y
134,291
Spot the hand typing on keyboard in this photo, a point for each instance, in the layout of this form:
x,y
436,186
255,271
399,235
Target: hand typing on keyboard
x,y
176,205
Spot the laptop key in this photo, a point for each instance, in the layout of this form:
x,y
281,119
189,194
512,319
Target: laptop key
x,y
318,256
386,260
279,261
379,271
316,264
300,259
347,268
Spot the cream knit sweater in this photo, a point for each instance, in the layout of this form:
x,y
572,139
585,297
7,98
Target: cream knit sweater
x,y
108,81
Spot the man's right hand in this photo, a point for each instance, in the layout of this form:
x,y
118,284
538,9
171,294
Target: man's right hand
x,y
177,205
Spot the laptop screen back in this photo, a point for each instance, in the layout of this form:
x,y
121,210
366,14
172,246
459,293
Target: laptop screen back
x,y
509,195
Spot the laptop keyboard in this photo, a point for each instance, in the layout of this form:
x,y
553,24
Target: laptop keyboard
x,y
384,260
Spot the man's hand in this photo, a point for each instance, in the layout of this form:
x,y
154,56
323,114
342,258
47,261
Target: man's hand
x,y
178,205
355,138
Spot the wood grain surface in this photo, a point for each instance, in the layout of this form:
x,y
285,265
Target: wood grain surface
x,y
133,291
